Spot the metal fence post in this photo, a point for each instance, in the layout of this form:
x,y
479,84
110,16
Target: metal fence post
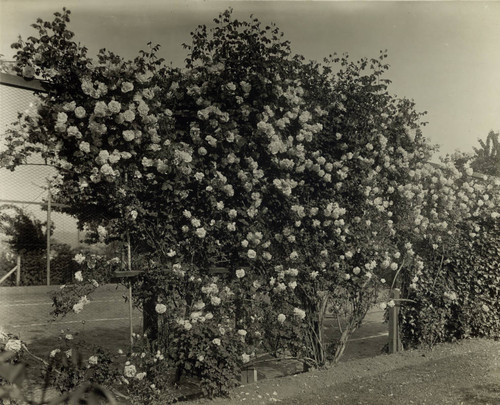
x,y
130,308
18,271
49,225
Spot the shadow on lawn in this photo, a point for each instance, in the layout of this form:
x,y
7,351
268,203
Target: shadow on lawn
x,y
110,339
487,394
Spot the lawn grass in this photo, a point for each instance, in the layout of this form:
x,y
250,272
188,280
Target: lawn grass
x,y
458,379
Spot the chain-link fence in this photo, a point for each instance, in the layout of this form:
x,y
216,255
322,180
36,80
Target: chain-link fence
x,y
24,213
24,217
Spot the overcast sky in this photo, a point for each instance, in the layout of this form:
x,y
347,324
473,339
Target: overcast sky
x,y
444,55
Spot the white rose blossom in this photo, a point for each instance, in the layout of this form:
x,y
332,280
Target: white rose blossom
x,y
161,308
79,258
140,376
80,112
127,87
201,232
77,308
129,371
84,147
13,345
299,313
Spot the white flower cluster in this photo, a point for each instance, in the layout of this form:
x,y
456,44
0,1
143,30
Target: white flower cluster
x,y
78,307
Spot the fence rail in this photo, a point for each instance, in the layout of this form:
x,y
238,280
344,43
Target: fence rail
x,y
17,269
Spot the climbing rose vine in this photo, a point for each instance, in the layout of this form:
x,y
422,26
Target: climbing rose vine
x,y
308,182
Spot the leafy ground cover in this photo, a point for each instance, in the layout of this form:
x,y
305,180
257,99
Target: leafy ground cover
x,y
467,372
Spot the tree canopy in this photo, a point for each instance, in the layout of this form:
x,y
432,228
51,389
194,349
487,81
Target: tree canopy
x,y
487,157
25,233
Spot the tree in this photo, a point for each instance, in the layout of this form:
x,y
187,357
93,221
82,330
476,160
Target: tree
x,y
487,157
27,238
25,233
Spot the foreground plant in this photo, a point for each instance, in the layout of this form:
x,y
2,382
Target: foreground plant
x,y
15,381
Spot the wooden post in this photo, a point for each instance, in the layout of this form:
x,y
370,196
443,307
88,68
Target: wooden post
x,y
49,198
249,375
394,337
130,308
129,253
131,326
18,271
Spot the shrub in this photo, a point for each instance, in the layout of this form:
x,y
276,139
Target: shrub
x,y
309,183
459,299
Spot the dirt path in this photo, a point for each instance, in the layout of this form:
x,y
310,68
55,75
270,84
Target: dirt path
x,y
465,373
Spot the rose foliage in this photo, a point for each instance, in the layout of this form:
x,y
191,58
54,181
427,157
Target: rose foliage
x,y
309,182
456,295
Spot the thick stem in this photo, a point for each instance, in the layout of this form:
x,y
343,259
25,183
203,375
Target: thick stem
x,y
342,343
316,338
150,318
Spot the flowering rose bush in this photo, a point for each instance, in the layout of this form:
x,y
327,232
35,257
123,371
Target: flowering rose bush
x,y
94,270
216,362
12,370
67,369
64,369
447,212
454,288
11,352
307,182
98,378
145,374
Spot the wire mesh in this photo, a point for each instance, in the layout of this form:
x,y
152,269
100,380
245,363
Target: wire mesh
x,y
14,100
23,192
23,197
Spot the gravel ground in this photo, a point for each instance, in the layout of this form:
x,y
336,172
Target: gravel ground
x,y
466,372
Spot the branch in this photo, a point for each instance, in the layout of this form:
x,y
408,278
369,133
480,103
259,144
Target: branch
x,y
439,269
397,273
